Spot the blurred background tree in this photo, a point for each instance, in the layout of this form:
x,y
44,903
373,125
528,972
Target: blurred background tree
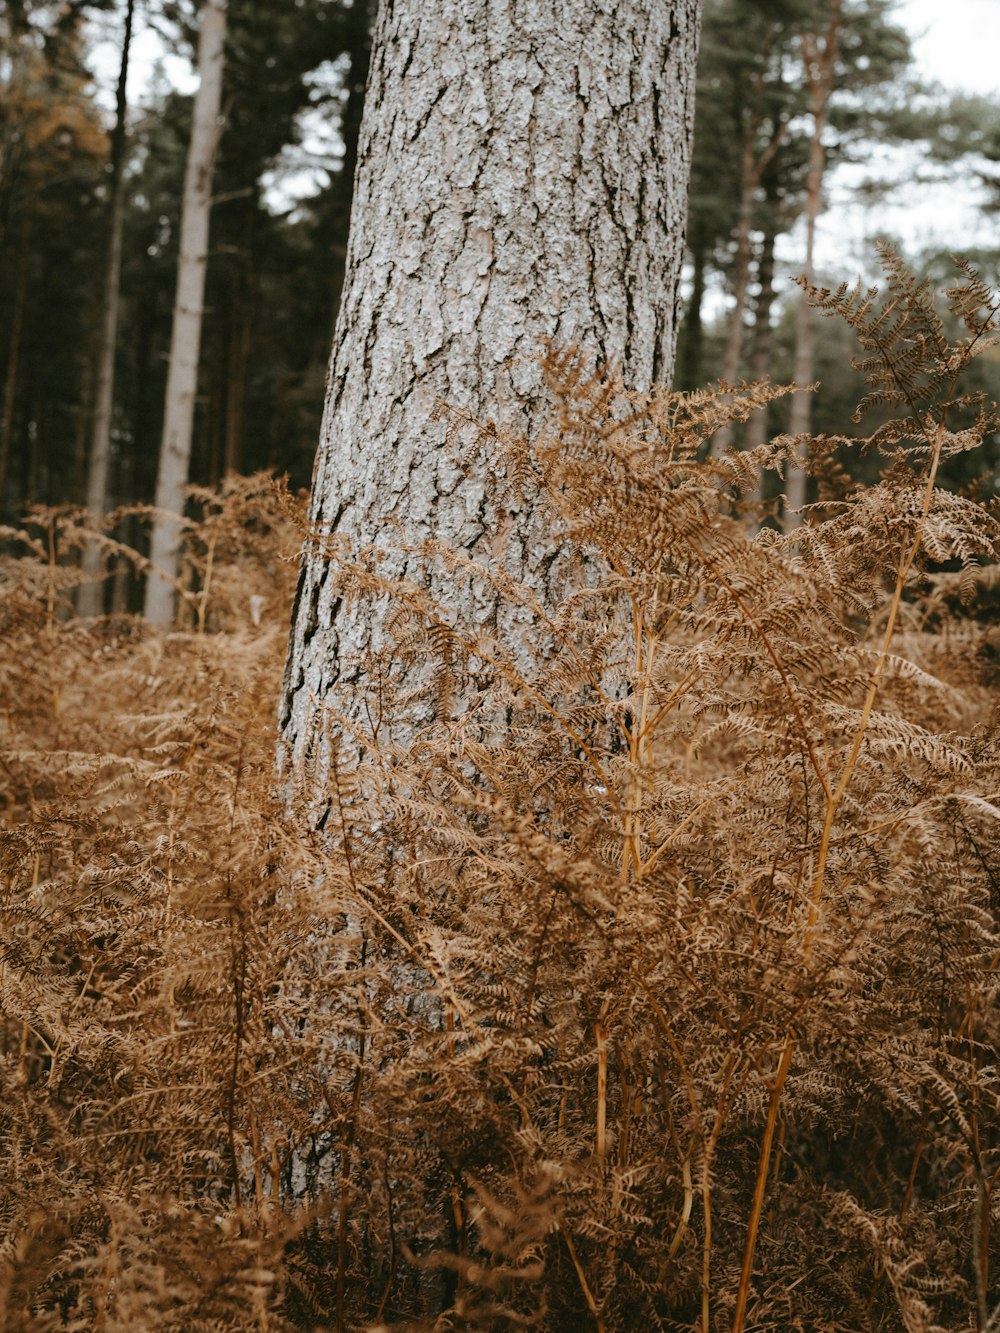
x,y
294,88
275,260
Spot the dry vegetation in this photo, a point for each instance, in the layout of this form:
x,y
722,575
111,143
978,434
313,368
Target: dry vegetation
x,y
646,982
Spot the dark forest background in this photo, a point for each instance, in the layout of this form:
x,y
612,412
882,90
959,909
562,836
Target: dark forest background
x,y
276,262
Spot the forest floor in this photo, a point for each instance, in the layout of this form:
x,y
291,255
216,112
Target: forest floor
x,y
214,1117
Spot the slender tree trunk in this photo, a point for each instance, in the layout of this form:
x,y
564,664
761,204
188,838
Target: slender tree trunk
x,y
84,431
240,339
760,363
723,437
754,162
691,343
14,352
741,271
90,596
32,416
516,180
124,573
185,341
820,60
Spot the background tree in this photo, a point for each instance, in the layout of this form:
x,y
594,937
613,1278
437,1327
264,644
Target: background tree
x,y
185,342
530,186
748,69
712,195
820,51
52,149
90,598
279,220
845,48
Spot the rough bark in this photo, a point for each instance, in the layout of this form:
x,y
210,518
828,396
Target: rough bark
x,y
819,57
185,340
90,597
523,174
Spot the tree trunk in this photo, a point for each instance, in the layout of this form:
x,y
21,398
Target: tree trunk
x,y
185,340
691,343
359,52
741,273
820,60
760,357
754,161
517,180
14,353
90,596
723,437
760,363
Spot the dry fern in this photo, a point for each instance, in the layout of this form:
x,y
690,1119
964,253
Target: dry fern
x,y
635,968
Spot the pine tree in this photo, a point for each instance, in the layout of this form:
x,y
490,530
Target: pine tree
x,y
530,186
182,382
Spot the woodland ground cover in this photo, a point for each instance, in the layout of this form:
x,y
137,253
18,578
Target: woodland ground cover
x,y
649,983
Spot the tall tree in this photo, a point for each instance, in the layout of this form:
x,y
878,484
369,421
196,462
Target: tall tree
x,y
711,197
819,62
518,179
185,342
90,599
52,147
852,47
749,59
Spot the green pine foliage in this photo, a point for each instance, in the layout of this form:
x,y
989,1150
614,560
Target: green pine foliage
x,y
633,968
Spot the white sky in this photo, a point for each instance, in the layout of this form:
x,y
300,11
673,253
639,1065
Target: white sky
x,y
956,44
960,45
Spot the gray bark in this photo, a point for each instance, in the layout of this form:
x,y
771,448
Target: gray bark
x,y
90,597
522,174
185,339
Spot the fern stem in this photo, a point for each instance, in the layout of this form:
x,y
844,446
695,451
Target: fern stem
x,y
581,1277
760,1187
601,1037
834,799
721,1114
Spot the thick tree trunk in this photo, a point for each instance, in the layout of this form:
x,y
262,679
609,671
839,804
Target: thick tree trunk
x,y
185,341
90,597
523,174
820,60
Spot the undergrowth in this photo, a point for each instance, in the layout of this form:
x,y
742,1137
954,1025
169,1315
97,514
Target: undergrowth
x,y
647,983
